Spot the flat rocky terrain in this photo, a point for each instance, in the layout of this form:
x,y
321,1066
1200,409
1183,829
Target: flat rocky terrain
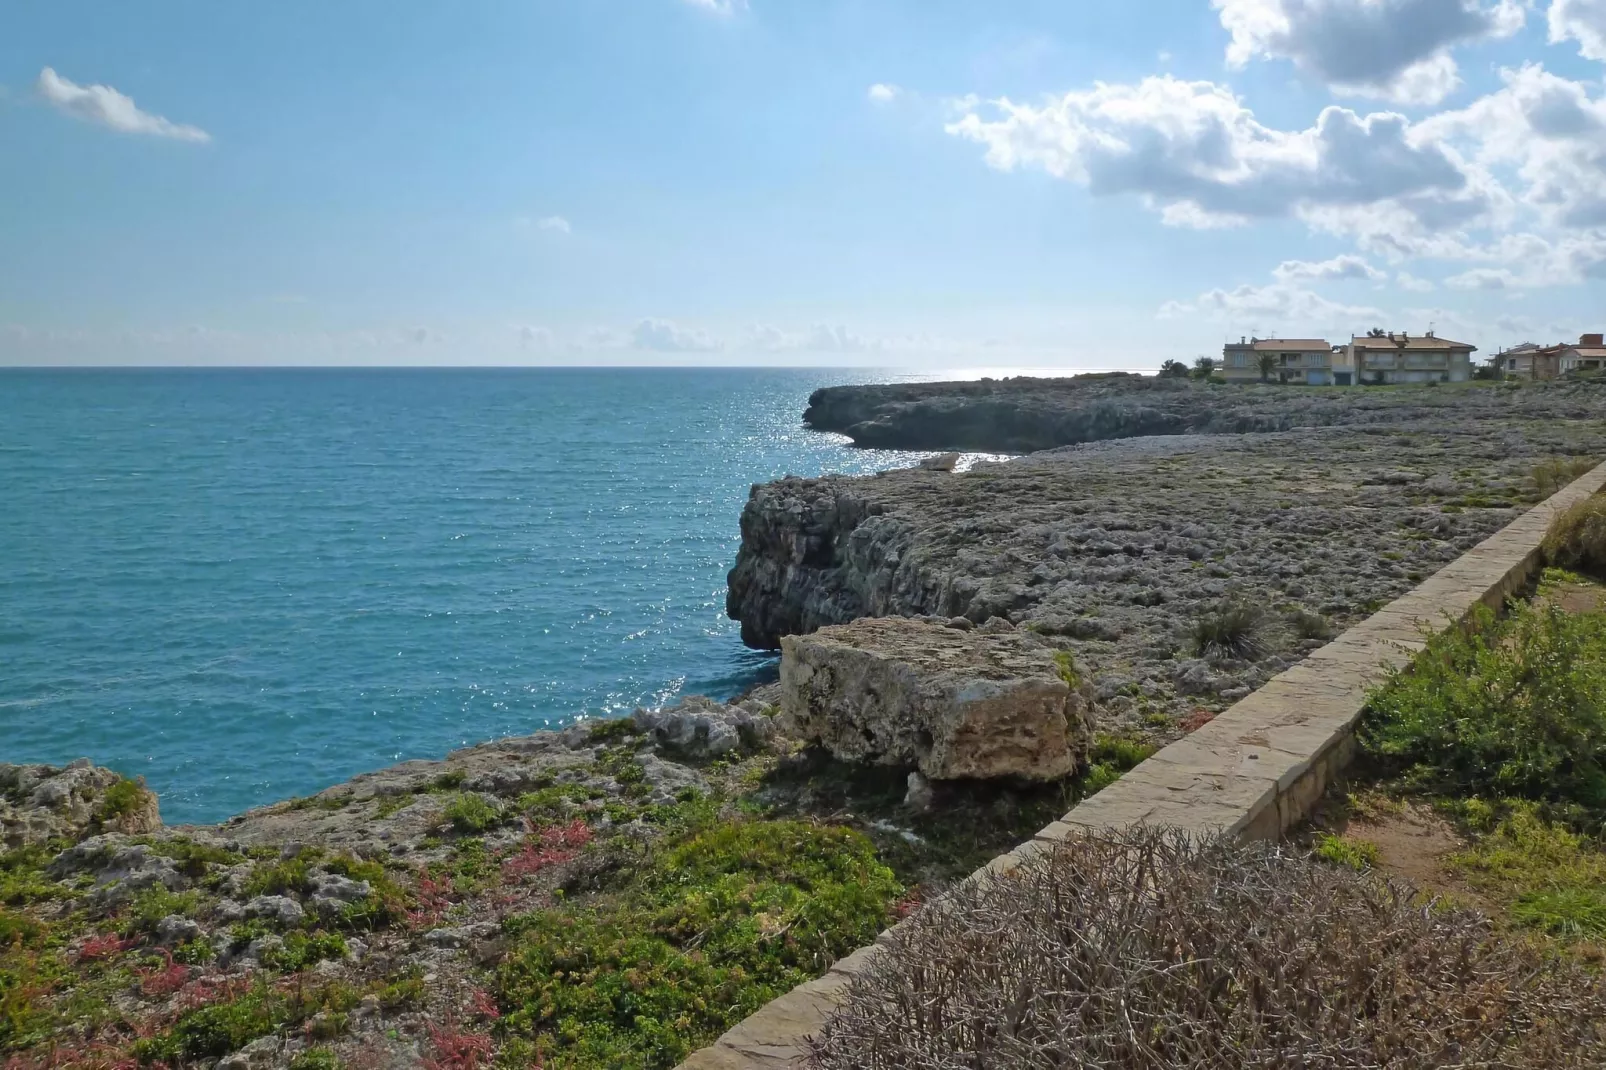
x,y
1132,550
1025,415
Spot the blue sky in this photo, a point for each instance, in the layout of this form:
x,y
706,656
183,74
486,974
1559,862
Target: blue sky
x,y
887,182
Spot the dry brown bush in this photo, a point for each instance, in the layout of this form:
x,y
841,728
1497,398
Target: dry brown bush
x,y
1140,952
1577,538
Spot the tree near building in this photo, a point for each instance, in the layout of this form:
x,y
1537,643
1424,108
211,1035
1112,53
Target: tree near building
x,y
1204,367
1173,369
1268,364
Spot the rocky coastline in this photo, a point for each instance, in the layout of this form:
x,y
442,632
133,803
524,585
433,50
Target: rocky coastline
x,y
967,654
1127,549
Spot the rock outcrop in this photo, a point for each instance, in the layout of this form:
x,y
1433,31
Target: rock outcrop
x,y
954,702
1122,547
39,803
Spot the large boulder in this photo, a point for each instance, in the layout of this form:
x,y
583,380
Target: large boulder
x,y
955,702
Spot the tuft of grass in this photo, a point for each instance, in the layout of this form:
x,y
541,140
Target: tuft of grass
x,y
1308,625
1576,540
470,814
1356,854
450,780
1235,630
1553,474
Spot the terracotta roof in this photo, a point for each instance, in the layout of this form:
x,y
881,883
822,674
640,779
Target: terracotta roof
x,y
1586,351
1414,341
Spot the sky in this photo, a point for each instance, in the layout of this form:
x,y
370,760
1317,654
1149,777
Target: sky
x,y
1065,184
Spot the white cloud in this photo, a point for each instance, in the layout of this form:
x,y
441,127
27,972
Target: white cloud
x,y
882,93
665,337
820,338
1280,308
1195,153
539,339
1407,281
1551,130
554,223
719,7
1485,279
1583,21
107,107
1395,49
1347,266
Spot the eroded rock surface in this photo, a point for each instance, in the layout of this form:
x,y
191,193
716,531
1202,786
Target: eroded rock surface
x,y
1123,547
955,702
39,803
1022,415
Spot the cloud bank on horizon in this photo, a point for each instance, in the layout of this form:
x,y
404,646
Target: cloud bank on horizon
x,y
1323,166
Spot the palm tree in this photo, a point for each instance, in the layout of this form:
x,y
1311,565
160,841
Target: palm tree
x,y
1268,364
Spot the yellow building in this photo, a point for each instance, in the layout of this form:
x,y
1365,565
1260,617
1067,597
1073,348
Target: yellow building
x,y
1402,358
1308,361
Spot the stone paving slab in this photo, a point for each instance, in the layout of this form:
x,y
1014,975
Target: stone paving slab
x,y
1254,772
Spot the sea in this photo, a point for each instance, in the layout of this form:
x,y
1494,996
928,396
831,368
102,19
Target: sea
x,y
250,584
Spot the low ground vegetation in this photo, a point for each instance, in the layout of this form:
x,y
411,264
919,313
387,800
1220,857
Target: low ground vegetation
x,y
1497,732
618,912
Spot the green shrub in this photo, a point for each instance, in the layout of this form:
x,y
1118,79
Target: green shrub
x,y
1235,630
1509,708
470,814
1576,540
616,730
450,780
121,799
722,920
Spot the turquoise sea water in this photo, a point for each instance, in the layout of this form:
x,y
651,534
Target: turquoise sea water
x,y
245,585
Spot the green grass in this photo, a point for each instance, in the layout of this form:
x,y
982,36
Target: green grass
x,y
1501,708
303,949
1356,854
716,922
